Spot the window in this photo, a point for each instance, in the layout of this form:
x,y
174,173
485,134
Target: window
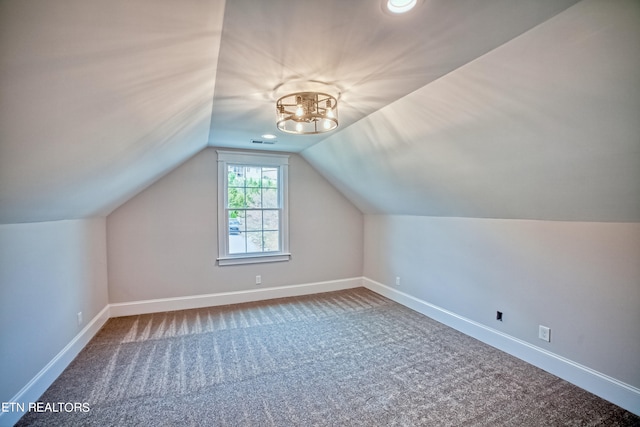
x,y
253,219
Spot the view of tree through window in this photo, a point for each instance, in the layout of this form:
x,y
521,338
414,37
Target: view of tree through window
x,y
253,209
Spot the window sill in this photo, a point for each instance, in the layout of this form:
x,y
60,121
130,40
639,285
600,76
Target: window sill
x,y
254,259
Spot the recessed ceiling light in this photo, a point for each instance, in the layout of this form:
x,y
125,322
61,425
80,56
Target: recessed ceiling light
x,y
269,136
400,6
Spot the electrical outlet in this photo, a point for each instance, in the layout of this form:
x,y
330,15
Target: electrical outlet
x,y
79,317
258,280
397,280
544,333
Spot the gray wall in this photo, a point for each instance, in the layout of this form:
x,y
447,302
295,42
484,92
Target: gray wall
x,y
163,242
580,279
48,273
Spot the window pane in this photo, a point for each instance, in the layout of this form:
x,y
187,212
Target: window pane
x,y
270,177
254,241
253,176
271,241
236,198
236,175
254,220
237,218
254,197
271,220
237,243
270,198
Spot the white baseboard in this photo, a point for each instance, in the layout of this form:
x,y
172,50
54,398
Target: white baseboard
x,y
617,392
604,386
47,375
225,298
39,384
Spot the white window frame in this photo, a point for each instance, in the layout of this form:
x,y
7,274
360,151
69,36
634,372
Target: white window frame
x,y
226,158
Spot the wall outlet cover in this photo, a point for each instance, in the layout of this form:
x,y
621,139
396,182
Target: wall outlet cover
x,y
544,333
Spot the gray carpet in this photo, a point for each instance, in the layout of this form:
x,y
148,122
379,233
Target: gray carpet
x,y
348,358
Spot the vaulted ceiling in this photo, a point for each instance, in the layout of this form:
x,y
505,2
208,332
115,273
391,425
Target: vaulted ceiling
x,y
498,108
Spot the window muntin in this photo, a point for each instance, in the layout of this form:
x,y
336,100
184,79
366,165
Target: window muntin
x,y
252,208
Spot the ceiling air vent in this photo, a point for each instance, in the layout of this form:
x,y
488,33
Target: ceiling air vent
x,y
258,141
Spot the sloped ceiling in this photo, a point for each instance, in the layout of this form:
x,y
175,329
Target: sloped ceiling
x,y
499,108
546,127
369,57
99,98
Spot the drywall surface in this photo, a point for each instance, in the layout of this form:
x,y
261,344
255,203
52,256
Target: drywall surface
x,y
580,279
545,126
48,273
100,99
163,242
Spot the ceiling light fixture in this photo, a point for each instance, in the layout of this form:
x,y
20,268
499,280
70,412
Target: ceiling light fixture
x,y
400,6
307,113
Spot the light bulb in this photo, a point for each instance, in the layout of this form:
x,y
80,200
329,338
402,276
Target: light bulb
x,y
299,127
329,110
327,124
330,113
299,110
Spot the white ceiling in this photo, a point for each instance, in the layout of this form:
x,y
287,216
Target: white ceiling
x,y
371,58
544,127
100,98
495,108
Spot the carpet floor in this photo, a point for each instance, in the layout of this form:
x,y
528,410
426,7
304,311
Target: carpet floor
x,y
347,358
